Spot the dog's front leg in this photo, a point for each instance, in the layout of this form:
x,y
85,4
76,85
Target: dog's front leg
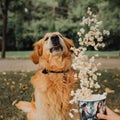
x,y
25,106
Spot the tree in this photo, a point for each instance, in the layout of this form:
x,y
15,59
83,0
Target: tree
x,y
28,21
4,7
13,23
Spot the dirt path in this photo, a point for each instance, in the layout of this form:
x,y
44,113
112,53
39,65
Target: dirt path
x,y
27,65
17,65
109,63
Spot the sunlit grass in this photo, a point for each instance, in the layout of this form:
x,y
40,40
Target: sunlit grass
x,y
18,54
104,53
26,54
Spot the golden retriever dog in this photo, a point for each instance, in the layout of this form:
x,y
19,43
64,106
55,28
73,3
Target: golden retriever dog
x,y
53,81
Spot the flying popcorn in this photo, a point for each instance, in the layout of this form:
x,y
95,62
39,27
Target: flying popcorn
x,y
86,67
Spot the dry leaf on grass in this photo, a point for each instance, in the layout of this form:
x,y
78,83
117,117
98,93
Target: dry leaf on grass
x,y
108,90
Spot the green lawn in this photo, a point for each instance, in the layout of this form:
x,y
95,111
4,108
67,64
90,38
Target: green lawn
x,y
15,85
105,53
26,54
18,54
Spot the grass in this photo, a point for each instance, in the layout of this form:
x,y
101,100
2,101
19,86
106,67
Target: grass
x,y
16,86
26,54
18,54
105,53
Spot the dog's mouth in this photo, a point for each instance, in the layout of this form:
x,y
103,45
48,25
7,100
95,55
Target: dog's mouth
x,y
58,48
56,45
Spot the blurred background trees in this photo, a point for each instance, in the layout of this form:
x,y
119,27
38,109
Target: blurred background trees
x,y
29,20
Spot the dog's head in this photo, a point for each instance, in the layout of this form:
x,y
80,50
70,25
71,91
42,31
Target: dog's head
x,y
52,44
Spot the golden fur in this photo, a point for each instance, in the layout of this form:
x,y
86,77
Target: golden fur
x,y
52,87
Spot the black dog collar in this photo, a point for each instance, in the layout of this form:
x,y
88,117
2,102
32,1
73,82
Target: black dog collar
x,y
45,71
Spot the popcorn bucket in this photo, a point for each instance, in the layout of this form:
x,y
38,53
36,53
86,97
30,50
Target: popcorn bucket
x,y
89,108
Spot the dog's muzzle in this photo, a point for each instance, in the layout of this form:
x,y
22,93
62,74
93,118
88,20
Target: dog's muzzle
x,y
55,40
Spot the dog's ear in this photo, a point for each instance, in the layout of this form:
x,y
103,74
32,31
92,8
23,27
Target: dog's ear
x,y
69,43
37,52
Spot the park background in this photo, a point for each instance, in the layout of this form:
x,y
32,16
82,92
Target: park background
x,y
27,21
23,22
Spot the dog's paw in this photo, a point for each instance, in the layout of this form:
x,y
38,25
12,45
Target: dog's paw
x,y
24,106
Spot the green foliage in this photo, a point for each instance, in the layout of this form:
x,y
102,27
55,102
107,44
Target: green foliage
x,y
28,21
113,41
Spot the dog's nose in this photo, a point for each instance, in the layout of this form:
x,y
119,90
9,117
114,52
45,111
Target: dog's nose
x,y
55,40
54,37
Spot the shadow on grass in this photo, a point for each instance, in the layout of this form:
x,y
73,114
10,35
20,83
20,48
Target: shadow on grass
x,y
16,86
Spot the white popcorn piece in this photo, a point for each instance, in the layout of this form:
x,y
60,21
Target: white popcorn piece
x,y
71,115
82,30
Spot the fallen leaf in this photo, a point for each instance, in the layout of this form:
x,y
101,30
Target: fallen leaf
x,y
108,90
4,73
1,116
13,82
8,83
105,81
12,87
14,102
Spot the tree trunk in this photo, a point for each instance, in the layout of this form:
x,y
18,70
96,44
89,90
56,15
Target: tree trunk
x,y
4,6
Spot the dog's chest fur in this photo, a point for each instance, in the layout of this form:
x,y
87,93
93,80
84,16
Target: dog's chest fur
x,y
52,93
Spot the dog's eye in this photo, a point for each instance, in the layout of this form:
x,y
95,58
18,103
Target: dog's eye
x,y
46,38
